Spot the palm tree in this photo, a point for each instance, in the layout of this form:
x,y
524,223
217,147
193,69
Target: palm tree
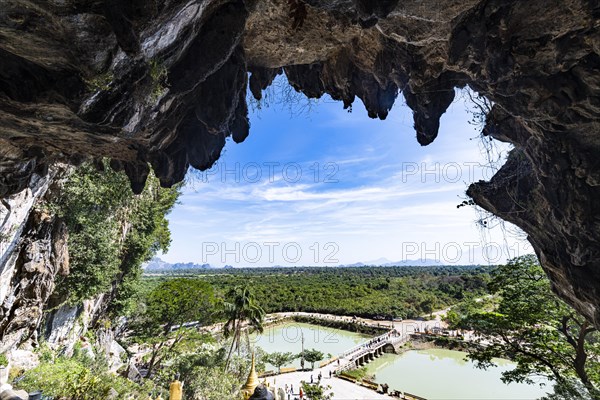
x,y
241,309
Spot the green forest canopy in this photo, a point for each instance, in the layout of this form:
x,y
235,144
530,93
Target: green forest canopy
x,y
403,292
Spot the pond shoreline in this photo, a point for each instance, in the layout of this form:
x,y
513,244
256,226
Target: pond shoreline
x,y
455,377
342,383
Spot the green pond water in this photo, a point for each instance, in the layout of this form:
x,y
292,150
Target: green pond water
x,y
445,374
436,374
287,337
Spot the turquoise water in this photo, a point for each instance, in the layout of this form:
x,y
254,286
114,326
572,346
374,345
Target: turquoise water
x,y
439,374
288,337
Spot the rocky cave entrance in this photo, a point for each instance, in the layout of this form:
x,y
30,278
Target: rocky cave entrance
x,y
164,83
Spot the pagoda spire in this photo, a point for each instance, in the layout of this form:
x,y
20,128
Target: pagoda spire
x,y
252,381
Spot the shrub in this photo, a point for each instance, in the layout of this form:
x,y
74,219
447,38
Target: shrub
x,y
70,379
358,374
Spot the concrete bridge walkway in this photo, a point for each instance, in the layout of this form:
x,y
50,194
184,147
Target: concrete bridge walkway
x,y
360,355
354,357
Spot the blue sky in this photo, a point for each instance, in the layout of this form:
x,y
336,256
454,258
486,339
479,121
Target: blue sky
x,y
317,185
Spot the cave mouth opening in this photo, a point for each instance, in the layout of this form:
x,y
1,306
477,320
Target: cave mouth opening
x,y
319,184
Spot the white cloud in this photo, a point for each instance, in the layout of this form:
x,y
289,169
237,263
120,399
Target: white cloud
x,y
376,209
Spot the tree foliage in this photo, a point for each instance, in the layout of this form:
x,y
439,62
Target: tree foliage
x,y
315,391
279,360
161,320
533,327
111,232
243,313
201,371
73,380
165,326
456,317
312,356
405,292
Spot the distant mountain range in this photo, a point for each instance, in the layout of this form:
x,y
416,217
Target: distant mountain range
x,y
157,264
384,262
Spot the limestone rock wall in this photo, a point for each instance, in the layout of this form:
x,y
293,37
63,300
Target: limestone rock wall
x,y
33,253
32,250
164,83
64,326
42,255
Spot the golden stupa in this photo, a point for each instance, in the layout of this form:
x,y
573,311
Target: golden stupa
x,y
176,390
252,381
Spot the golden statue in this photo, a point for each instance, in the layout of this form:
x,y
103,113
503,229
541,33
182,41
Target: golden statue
x,y
251,382
176,390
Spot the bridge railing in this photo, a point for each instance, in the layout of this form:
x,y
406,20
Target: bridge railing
x,y
399,339
350,351
351,363
362,345
369,347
